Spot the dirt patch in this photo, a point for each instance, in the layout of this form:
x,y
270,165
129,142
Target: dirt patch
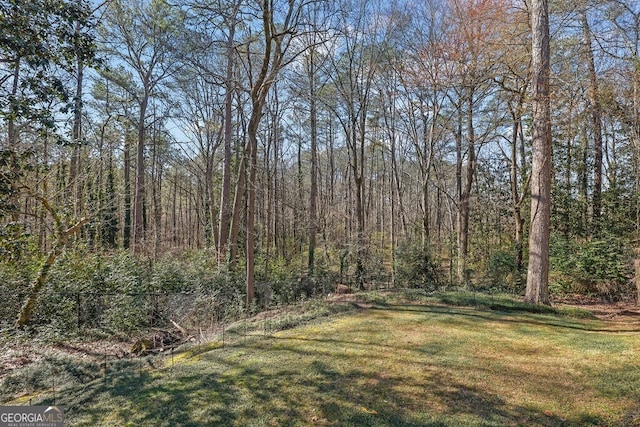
x,y
12,359
16,355
627,312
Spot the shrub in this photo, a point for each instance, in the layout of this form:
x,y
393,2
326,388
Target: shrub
x,y
600,267
501,272
415,266
15,280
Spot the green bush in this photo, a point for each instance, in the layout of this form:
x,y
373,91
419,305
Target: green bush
x,y
501,273
15,280
416,266
600,267
119,293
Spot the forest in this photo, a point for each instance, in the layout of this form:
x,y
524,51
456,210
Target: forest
x,y
195,161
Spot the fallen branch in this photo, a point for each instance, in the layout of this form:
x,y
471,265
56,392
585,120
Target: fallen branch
x,y
162,341
180,328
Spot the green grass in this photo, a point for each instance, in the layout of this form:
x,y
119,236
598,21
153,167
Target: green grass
x,y
406,361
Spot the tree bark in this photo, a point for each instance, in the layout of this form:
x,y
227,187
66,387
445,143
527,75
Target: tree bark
x,y
517,200
537,291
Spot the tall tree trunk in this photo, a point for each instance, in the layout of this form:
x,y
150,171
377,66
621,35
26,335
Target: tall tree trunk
x,y
298,205
468,185
278,205
212,228
271,63
537,291
567,226
635,131
516,176
518,220
583,177
397,185
426,214
270,194
252,153
394,185
156,192
174,211
238,204
464,180
596,119
313,191
225,195
458,138
74,187
126,243
110,216
138,201
426,161
358,179
313,202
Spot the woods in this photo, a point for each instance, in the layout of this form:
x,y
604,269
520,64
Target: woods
x,y
303,144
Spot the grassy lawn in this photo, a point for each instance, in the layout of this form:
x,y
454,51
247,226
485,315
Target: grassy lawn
x,y
392,363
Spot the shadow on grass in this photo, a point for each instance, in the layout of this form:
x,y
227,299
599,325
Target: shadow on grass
x,y
194,399
361,398
307,381
504,315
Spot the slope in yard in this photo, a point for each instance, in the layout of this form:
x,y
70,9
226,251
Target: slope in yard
x,y
390,364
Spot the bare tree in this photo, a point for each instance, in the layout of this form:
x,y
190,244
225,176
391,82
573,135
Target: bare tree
x,y
469,44
354,68
140,34
513,78
231,21
596,115
276,38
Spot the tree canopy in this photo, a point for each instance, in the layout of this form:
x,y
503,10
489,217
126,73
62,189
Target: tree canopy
x,y
301,144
